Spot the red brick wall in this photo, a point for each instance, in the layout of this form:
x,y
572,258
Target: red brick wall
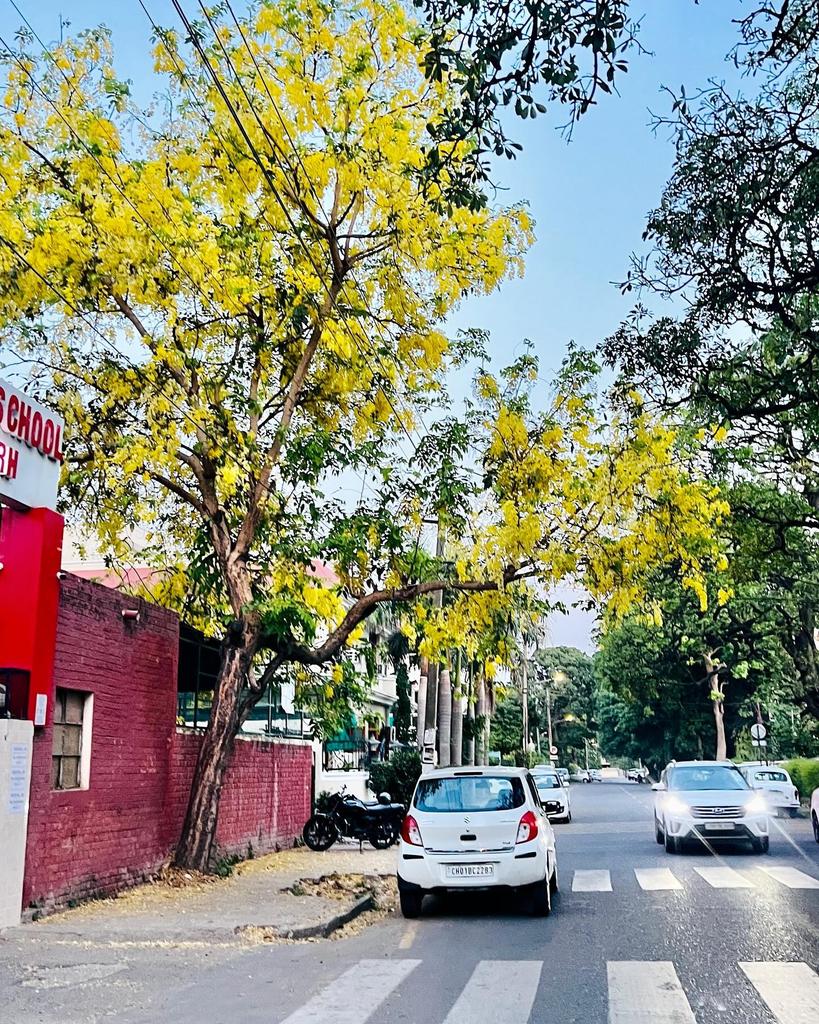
x,y
124,826
266,796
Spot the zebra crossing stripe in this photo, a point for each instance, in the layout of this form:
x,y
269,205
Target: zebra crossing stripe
x,y
724,878
591,881
792,877
654,879
502,991
356,995
791,990
646,992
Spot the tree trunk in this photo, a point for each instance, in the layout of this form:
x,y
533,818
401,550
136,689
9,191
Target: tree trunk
x,y
444,717
715,695
195,845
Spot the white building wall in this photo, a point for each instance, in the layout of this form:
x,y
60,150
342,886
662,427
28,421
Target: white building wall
x,y
15,780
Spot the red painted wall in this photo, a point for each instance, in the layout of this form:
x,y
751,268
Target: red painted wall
x,y
124,826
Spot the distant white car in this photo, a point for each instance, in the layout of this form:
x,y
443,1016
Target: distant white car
x,y
708,801
776,784
564,774
596,774
814,813
580,775
476,828
552,791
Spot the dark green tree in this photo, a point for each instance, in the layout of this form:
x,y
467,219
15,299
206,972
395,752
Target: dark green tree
x,y
506,734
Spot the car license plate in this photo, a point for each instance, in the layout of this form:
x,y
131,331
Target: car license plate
x,y
470,870
720,826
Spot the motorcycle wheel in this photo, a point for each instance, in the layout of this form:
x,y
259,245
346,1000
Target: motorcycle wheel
x,y
383,836
319,833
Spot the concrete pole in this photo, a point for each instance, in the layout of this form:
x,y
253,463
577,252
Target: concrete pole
x,y
525,700
420,725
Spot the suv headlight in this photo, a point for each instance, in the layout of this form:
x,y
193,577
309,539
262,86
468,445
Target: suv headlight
x,y
756,805
676,806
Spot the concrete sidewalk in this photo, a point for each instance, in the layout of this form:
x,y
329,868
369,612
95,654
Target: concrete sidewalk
x,y
106,959
192,909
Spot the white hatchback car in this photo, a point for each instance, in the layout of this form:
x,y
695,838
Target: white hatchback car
x,y
708,801
476,828
776,784
554,796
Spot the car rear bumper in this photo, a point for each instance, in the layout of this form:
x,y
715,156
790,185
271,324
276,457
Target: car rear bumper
x,y
421,869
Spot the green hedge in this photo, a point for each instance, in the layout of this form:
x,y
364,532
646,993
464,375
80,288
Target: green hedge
x,y
396,776
805,774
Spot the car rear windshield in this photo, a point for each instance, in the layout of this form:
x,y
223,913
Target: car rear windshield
x,y
469,793
547,781
699,777
771,776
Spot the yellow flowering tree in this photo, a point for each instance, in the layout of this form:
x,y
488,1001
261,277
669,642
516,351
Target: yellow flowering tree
x,y
237,296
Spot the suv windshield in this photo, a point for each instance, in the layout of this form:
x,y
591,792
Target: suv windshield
x,y
713,776
469,793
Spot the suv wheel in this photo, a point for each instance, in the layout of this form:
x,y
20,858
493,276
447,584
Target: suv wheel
x,y
815,823
762,845
672,844
658,832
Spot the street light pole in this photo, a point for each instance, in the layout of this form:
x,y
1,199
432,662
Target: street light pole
x,y
549,717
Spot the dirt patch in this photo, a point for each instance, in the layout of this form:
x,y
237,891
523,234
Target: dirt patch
x,y
335,886
343,887
168,885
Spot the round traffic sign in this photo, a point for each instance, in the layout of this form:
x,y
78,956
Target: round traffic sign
x,y
552,750
758,731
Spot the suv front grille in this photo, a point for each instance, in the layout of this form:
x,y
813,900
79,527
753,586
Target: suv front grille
x,y
718,812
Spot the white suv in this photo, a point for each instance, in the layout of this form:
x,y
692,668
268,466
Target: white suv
x,y
708,801
476,828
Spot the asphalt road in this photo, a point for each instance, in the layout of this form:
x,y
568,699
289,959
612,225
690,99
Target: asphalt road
x,y
736,945
629,956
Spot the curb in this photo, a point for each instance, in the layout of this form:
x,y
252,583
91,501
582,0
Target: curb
x,y
326,928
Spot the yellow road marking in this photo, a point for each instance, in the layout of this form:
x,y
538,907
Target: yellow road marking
x,y
408,937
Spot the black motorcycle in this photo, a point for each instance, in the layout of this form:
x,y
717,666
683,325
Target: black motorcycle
x,y
348,817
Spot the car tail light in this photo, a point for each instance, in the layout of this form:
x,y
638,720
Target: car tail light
x,y
527,829
410,832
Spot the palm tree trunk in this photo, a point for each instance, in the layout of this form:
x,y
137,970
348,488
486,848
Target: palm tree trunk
x,y
444,717
469,742
457,717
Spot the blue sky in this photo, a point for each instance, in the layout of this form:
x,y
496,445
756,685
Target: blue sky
x,y
589,197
